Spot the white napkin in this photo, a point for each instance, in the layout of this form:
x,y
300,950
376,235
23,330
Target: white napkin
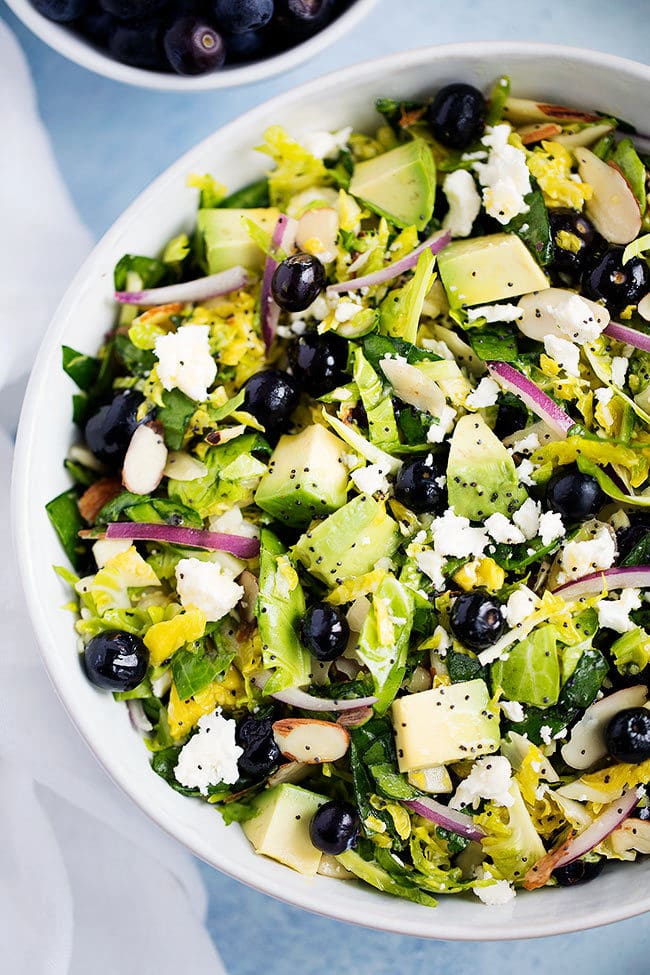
x,y
87,882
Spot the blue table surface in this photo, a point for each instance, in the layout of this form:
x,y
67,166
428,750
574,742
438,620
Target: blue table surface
x,y
110,141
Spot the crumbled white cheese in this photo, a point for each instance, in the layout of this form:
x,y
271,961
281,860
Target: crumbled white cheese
x,y
521,604
185,361
346,309
210,756
431,563
619,370
471,156
495,313
503,531
490,778
551,527
321,307
582,558
438,431
504,177
371,479
453,535
444,641
464,203
527,518
526,445
441,480
565,353
615,613
513,710
327,145
497,894
205,586
232,522
574,317
546,734
604,396
484,395
524,472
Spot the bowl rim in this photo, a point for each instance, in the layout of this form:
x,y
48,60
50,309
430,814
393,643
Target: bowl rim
x,y
82,52
308,898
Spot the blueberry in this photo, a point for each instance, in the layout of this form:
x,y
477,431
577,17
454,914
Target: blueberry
x,y
457,115
139,43
261,754
618,285
62,11
574,495
116,661
248,46
417,487
109,431
570,252
512,415
325,631
131,9
627,735
193,47
297,282
335,827
578,872
320,361
477,619
239,16
271,397
298,19
97,26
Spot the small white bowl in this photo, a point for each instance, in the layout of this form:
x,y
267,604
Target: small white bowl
x,y
76,48
582,78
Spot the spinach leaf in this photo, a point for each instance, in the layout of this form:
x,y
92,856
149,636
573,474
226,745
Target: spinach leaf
x,y
533,227
341,169
372,744
494,343
375,347
462,666
414,425
639,554
345,690
63,512
80,474
237,812
396,112
392,785
175,414
82,369
163,511
455,843
140,362
194,670
150,271
164,762
248,197
114,508
515,558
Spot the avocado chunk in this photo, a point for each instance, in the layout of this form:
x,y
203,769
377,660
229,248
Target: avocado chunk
x,y
531,671
349,542
399,185
306,477
280,829
481,475
227,240
486,269
444,725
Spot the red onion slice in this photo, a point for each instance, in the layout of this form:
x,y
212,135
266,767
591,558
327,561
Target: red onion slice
x,y
455,822
630,336
199,290
296,698
532,397
283,237
435,244
625,577
237,545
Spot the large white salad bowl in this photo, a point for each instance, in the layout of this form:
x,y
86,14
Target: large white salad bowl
x,y
566,75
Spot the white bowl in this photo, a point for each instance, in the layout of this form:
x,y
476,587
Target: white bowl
x,y
83,52
582,78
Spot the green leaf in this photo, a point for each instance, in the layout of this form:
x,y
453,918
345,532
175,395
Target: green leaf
x,y
627,159
150,270
531,671
237,812
414,426
82,369
393,110
384,639
139,362
376,347
462,667
497,100
114,508
164,762
174,415
80,474
401,309
377,877
176,250
494,343
639,554
533,227
194,670
382,427
163,511
392,785
248,197
231,406
63,512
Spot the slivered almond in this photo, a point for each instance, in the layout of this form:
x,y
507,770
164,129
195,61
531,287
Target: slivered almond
x,y
587,136
644,307
613,209
251,589
317,232
521,111
586,746
145,460
538,131
541,310
310,741
160,313
291,772
96,496
414,387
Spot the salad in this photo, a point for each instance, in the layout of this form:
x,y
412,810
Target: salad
x,y
358,524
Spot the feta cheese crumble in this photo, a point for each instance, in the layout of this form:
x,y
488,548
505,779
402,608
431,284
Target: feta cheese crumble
x,y
211,755
551,527
513,710
615,613
546,734
371,479
495,313
327,145
431,563
526,445
575,319
484,395
521,604
185,361
527,518
205,586
490,778
504,177
453,535
503,531
582,558
565,353
438,431
619,370
524,472
464,203
497,894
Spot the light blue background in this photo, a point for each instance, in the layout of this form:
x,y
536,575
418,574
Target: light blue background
x,y
110,141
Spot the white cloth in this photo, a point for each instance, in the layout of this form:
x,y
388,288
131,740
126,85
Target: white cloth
x,y
87,882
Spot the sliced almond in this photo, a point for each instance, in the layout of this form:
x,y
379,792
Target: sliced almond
x,y
632,834
613,209
183,467
145,461
223,436
251,589
542,308
643,307
311,741
160,314
96,496
586,746
317,233
538,131
291,772
413,387
586,136
520,111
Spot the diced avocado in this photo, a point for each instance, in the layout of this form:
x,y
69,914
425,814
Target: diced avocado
x,y
280,829
434,780
486,269
531,671
444,725
481,475
399,185
306,477
349,542
226,238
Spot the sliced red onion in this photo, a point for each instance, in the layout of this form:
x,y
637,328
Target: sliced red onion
x,y
532,397
237,545
578,846
295,698
630,336
283,237
199,290
435,244
139,720
451,819
630,577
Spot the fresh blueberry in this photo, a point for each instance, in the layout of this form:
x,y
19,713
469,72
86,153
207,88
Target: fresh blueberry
x,y
578,872
298,19
477,619
574,495
617,284
62,11
109,430
131,9
240,16
116,661
512,415
418,487
297,282
320,361
97,26
261,755
251,45
573,238
193,47
139,44
272,396
457,115
627,735
325,631
335,827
